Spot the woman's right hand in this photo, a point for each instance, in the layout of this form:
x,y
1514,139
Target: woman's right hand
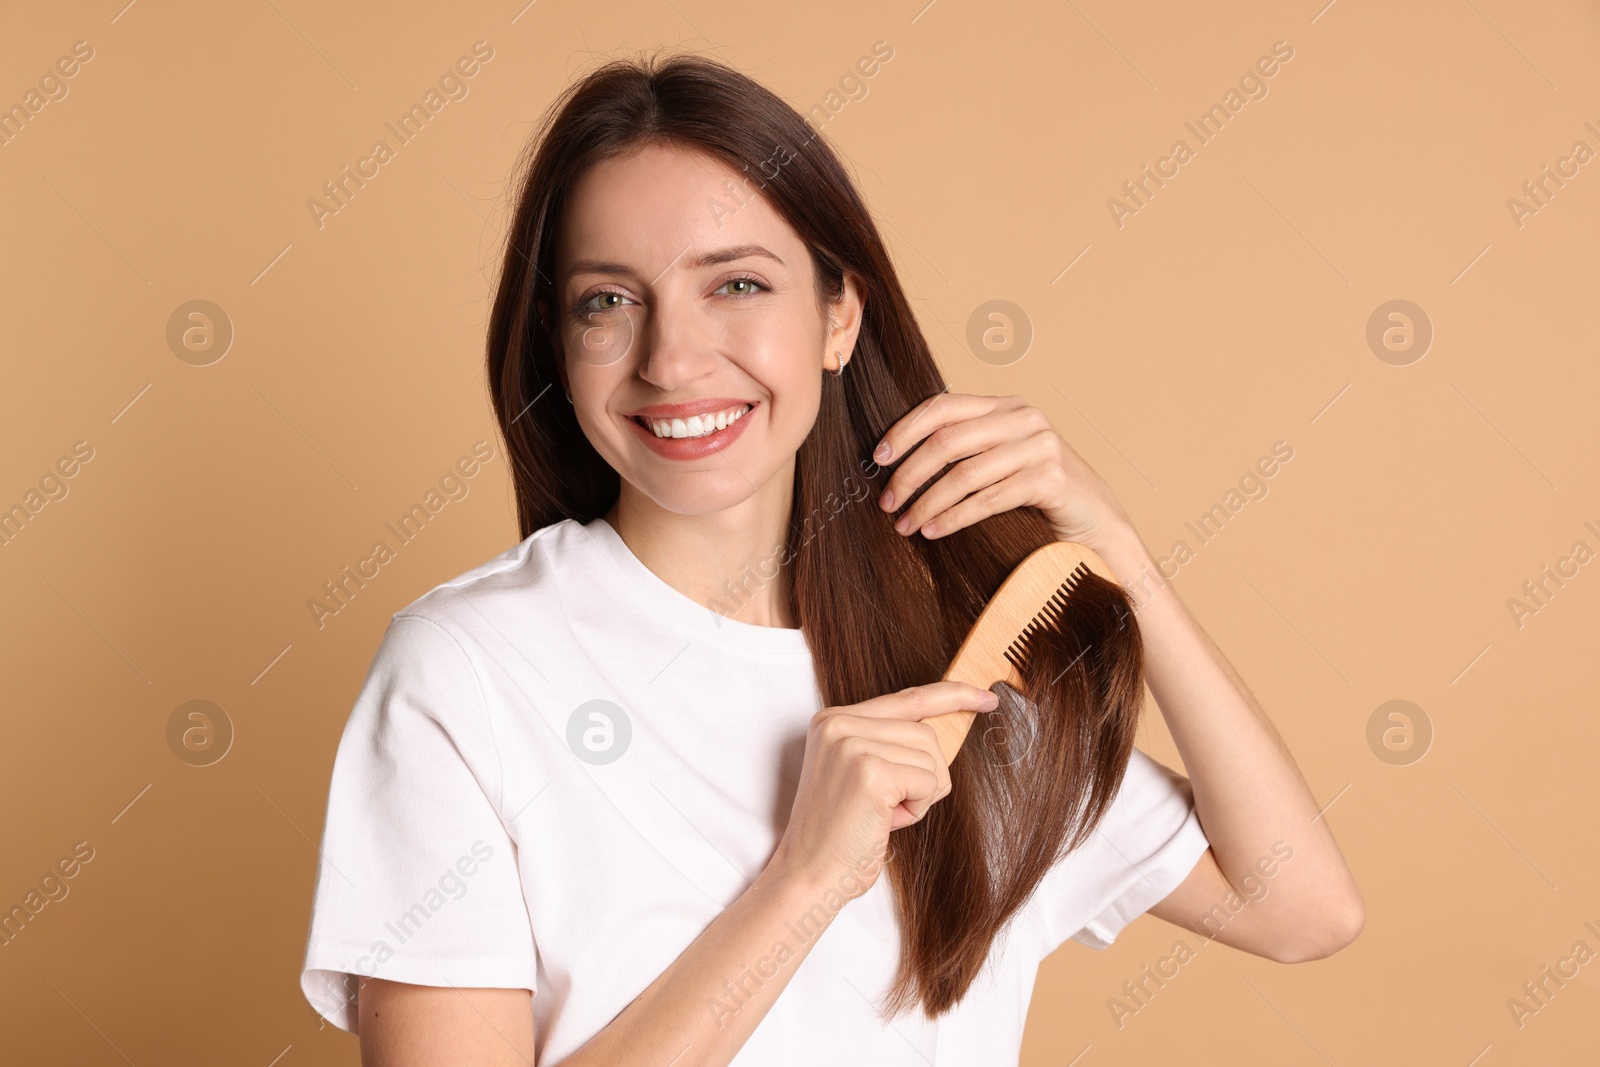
x,y
869,768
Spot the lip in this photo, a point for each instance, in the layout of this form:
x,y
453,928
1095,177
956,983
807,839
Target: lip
x,y
692,447
690,407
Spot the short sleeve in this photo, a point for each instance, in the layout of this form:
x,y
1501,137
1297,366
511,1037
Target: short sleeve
x,y
418,879
1148,842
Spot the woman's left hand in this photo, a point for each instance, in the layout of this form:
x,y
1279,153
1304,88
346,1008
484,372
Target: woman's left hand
x,y
1009,457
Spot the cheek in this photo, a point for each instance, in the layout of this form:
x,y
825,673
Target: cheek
x,y
593,386
602,426
785,358
602,342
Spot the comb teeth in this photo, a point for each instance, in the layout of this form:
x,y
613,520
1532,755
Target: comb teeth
x,y
1049,615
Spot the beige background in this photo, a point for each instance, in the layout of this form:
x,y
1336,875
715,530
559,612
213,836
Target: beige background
x,y
1229,313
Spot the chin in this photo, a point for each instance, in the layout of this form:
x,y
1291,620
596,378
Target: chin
x,y
699,493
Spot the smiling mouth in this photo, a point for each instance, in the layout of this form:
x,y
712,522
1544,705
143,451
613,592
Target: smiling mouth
x,y
695,425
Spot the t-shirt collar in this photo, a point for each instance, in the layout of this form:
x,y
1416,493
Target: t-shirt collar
x,y
634,583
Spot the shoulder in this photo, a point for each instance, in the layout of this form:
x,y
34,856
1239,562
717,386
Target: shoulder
x,y
518,583
432,676
436,651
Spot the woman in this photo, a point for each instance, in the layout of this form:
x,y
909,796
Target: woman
x,y
649,766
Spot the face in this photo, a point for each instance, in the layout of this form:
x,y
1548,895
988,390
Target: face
x,y
690,330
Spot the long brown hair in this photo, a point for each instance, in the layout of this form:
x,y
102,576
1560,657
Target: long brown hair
x,y
880,611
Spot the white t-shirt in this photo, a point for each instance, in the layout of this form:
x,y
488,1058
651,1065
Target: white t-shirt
x,y
560,770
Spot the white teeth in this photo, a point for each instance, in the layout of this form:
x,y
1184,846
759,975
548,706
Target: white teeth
x,y
697,425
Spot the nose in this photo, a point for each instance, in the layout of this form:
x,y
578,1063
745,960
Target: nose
x,y
676,343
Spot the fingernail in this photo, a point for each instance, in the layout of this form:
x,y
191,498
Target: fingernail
x,y
903,524
991,700
887,501
882,452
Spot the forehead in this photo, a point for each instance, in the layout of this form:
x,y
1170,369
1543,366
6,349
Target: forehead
x,y
645,208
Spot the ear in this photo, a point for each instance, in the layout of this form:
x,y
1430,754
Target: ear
x,y
844,324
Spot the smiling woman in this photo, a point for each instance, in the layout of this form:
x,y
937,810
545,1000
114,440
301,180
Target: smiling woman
x,y
735,838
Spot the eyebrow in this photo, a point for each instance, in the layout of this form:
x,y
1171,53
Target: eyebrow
x,y
704,259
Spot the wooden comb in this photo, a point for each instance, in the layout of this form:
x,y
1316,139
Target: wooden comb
x,y
1032,595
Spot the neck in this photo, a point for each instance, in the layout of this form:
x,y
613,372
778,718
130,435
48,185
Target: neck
x,y
733,561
